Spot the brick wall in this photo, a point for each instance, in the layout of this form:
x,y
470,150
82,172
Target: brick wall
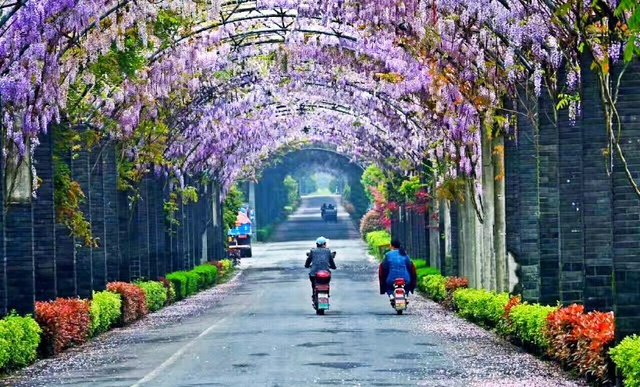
x,y
42,261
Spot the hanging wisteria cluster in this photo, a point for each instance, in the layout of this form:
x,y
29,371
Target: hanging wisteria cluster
x,y
393,82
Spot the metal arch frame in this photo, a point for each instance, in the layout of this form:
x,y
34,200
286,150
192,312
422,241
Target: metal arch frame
x,y
320,150
281,29
250,79
341,109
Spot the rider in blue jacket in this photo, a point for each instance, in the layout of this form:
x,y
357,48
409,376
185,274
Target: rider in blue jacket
x,y
396,264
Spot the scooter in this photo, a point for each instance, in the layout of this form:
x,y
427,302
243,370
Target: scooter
x,y
321,291
399,298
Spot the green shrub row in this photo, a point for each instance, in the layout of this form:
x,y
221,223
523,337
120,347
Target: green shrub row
x,y
66,322
378,242
481,306
207,275
434,286
626,356
19,341
526,324
105,311
579,340
155,294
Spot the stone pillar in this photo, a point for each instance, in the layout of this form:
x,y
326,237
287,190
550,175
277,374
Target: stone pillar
x,y
528,257
80,172
548,201
626,208
111,241
44,226
597,198
98,229
571,211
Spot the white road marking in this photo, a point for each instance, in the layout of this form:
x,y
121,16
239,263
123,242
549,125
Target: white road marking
x,y
176,356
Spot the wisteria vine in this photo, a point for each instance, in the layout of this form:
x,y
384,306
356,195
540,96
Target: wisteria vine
x,y
389,82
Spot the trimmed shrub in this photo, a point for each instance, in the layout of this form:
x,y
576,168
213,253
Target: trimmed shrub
x,y
434,286
105,311
168,287
425,271
65,323
526,324
207,275
626,356
378,241
559,332
224,266
134,303
419,263
370,222
480,306
227,265
451,284
193,280
179,281
155,294
19,341
581,341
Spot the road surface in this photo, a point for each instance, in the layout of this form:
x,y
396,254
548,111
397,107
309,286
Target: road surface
x,y
260,330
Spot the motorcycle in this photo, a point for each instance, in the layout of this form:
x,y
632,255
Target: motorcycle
x,y
321,291
399,298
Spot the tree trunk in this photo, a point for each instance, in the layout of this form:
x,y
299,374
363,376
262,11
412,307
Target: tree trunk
x,y
500,226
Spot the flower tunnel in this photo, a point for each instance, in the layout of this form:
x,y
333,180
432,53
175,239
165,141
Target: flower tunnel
x,y
126,122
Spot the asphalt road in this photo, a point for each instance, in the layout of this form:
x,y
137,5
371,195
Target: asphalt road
x,y
261,330
307,224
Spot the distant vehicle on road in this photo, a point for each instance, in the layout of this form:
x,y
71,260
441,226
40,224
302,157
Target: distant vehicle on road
x,y
329,213
240,236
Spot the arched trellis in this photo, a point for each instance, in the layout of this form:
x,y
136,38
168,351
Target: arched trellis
x,y
312,157
326,105
259,14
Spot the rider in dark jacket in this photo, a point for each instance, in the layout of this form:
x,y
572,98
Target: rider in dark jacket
x,y
320,258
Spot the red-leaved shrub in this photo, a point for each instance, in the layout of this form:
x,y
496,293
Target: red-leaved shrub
x,y
65,323
513,301
581,341
454,283
134,303
559,331
451,285
371,221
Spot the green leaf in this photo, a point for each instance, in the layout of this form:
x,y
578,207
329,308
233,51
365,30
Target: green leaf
x,y
630,50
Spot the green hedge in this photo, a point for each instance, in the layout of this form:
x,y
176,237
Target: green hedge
x,y
207,275
19,341
626,356
526,323
480,306
433,285
179,281
426,270
419,263
193,282
377,240
105,311
155,294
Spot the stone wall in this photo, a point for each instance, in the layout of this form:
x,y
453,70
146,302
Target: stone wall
x,y
572,216
42,261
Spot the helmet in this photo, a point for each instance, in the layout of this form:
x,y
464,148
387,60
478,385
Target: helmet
x,y
321,241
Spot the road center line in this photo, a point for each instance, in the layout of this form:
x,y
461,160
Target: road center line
x,y
176,356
